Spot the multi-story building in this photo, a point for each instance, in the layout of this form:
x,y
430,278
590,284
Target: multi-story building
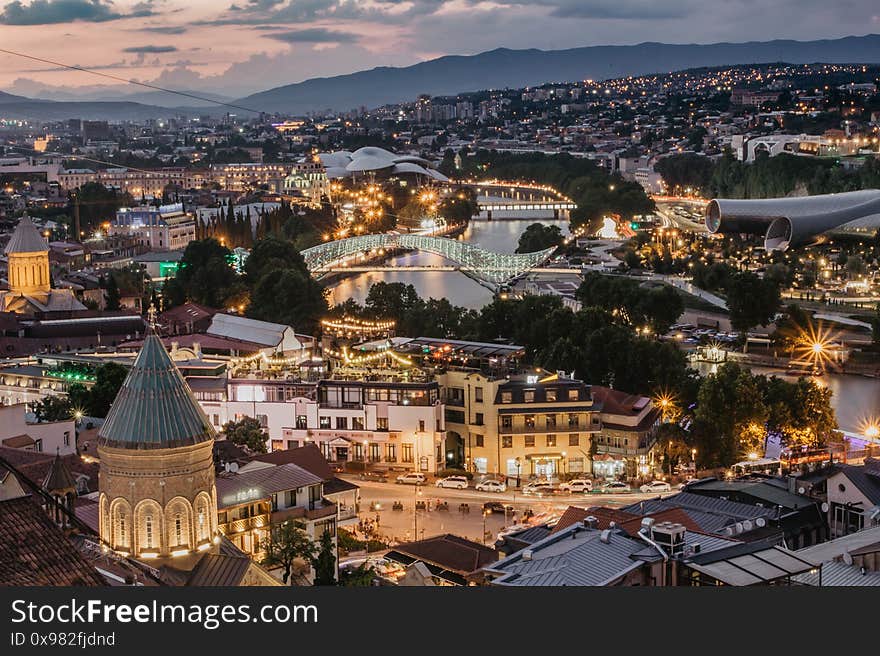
x,y
388,423
545,426
165,228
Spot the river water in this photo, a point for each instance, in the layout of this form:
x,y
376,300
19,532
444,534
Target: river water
x,y
501,235
856,399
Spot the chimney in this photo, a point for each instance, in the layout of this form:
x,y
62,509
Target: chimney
x,y
527,555
591,522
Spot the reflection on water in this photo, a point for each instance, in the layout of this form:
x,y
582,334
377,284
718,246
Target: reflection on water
x,y
499,235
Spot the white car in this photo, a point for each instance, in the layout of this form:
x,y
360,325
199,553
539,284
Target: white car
x,y
684,484
578,485
539,488
615,487
491,486
454,482
656,486
412,478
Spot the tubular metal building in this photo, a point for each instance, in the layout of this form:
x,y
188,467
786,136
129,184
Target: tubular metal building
x,y
787,222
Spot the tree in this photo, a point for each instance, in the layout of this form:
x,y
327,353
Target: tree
x,y
204,276
752,301
324,563
538,237
361,576
286,544
108,381
112,295
53,408
247,432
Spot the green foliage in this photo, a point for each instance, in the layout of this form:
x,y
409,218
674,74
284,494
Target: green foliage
x,y
538,236
287,543
361,576
635,304
204,276
752,300
108,380
53,408
112,294
247,432
324,563
685,170
97,204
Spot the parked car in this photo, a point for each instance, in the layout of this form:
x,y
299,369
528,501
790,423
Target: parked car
x,y
380,476
540,488
496,507
577,485
656,486
684,484
412,478
454,482
491,486
615,487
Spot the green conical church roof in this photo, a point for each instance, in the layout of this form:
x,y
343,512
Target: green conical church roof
x,y
155,408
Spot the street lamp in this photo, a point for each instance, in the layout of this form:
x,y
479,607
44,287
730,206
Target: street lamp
x,y
485,514
694,459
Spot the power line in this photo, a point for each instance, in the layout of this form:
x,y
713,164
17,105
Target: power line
x,y
128,81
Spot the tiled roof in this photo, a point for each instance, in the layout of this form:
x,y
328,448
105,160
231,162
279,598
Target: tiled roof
x,y
26,238
309,457
219,570
864,478
34,551
59,476
35,465
451,552
155,408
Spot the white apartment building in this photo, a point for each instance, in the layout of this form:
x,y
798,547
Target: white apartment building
x,y
388,424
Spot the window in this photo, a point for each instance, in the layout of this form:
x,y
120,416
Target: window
x,y
481,465
382,423
357,423
507,421
407,452
292,444
530,441
551,440
478,419
215,419
574,440
421,425
506,397
374,452
506,441
122,539
573,395
478,394
551,421
302,422
390,453
201,521
551,395
573,420
178,529
575,465
264,421
66,438
148,530
529,421
479,441
324,422
342,423
358,451
529,396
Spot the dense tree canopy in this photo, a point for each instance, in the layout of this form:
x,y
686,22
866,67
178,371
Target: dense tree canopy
x,y
538,236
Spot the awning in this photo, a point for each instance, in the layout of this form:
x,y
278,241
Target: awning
x,y
543,456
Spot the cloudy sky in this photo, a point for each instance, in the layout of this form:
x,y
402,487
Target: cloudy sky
x,y
250,45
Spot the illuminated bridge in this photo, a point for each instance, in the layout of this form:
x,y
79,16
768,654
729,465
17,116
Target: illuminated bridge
x,y
488,266
498,197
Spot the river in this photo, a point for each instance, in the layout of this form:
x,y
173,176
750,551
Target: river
x,y
501,235
856,399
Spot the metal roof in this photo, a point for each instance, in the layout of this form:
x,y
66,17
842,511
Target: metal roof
x,y
26,238
758,567
248,330
261,483
837,573
155,408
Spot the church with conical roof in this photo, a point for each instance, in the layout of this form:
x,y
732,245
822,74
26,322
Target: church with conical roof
x,y
156,483
28,277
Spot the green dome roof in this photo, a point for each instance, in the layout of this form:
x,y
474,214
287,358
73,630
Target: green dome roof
x,y
155,408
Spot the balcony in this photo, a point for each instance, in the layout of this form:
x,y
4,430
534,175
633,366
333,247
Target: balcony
x,y
320,510
237,526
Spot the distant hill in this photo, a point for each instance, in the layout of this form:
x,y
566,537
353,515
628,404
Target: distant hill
x,y
18,107
518,68
9,98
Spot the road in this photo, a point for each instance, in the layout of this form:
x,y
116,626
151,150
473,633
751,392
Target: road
x,y
399,525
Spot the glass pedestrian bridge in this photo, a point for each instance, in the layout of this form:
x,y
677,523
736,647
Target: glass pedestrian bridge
x,y
488,266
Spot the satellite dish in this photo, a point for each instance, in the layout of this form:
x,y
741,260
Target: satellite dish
x,y
801,490
847,558
761,522
824,507
738,528
747,525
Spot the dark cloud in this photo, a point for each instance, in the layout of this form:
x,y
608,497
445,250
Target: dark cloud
x,y
149,50
314,35
170,29
48,12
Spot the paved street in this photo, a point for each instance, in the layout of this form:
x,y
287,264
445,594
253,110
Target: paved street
x,y
399,524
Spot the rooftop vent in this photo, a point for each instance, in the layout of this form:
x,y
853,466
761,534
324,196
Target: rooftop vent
x,y
591,522
527,554
606,536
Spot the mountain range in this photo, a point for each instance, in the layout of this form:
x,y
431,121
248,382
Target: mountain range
x,y
453,74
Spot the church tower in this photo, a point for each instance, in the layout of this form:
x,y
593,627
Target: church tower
x,y
28,255
157,493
